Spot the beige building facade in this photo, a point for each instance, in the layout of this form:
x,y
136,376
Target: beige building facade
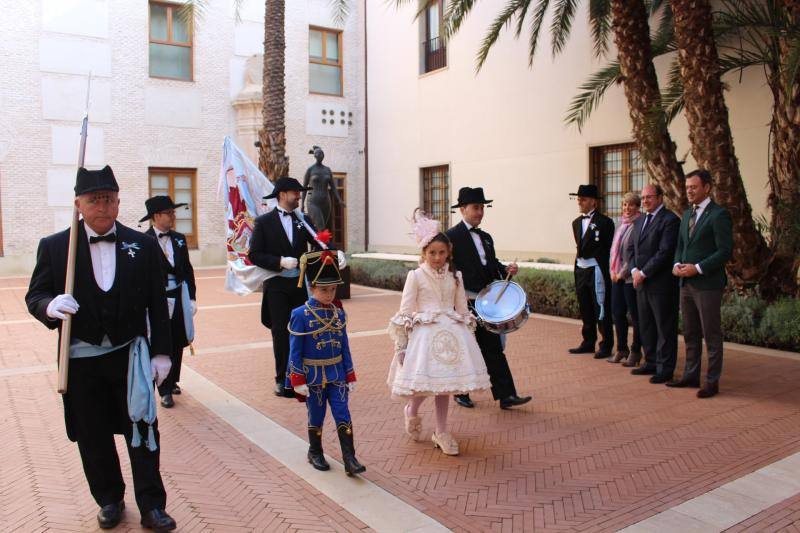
x,y
163,97
435,126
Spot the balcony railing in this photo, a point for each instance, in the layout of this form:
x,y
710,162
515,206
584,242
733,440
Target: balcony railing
x,y
435,54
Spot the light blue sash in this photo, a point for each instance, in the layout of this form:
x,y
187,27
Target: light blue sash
x,y
599,283
186,304
141,393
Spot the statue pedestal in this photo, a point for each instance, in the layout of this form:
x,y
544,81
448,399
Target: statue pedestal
x,y
343,291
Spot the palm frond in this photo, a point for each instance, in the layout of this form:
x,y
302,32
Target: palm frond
x,y
593,89
523,12
340,10
600,20
421,5
454,15
536,26
561,24
672,96
501,21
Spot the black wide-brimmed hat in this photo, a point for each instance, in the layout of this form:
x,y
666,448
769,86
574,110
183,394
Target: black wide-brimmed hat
x,y
587,191
321,268
95,180
286,184
470,195
157,204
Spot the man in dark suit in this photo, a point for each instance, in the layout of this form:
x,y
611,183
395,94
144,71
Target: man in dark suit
x,y
118,283
705,244
179,284
279,238
474,256
594,233
650,252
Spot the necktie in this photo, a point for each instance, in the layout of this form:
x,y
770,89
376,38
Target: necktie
x,y
647,219
111,237
162,235
692,220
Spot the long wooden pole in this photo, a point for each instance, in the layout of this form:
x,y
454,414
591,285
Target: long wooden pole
x,y
69,282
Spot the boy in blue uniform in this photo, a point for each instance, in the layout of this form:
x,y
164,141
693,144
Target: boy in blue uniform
x,y
320,368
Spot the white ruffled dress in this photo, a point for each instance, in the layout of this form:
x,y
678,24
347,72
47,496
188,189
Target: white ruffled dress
x,y
435,328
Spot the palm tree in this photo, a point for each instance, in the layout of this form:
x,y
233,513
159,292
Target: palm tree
x,y
710,133
628,21
272,158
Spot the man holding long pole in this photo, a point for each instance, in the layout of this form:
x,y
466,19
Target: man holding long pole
x,y
109,388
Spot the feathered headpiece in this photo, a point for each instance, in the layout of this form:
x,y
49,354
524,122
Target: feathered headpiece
x,y
424,227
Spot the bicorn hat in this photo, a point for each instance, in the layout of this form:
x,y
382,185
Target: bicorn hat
x,y
157,204
286,184
470,195
321,268
95,180
587,191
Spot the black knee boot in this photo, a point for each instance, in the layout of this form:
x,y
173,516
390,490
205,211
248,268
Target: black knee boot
x,y
351,464
315,455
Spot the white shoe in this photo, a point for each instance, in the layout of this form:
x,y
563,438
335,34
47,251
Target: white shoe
x,y
445,442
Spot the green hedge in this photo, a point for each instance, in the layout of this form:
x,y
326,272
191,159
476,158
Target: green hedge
x,y
745,319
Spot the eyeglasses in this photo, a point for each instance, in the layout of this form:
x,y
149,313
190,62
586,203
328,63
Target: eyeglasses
x,y
649,196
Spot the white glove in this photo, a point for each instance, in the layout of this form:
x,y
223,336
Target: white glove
x,y
288,263
351,386
342,259
160,366
302,390
194,307
401,356
61,306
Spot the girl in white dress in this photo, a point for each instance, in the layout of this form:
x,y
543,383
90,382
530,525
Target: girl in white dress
x,y
435,349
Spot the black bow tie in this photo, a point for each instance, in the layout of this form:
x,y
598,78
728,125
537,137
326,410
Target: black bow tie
x,y
586,216
160,235
111,237
287,214
475,230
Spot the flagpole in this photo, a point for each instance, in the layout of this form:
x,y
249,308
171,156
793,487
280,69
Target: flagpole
x,y
69,282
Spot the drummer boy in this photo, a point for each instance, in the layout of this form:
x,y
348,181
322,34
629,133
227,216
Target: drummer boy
x,y
474,256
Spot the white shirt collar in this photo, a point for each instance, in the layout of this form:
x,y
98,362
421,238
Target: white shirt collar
x,y
92,233
704,203
468,225
654,213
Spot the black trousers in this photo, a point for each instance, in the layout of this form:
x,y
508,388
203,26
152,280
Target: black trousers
x,y
496,363
658,322
282,296
96,408
590,311
702,319
179,342
623,303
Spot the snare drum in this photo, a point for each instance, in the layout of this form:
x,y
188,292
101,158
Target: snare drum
x,y
505,315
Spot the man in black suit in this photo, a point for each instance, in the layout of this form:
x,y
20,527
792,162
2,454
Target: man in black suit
x,y
179,284
474,256
649,253
279,238
118,283
594,233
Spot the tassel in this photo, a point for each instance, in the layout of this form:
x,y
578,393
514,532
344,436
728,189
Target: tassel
x,y
151,438
136,439
303,261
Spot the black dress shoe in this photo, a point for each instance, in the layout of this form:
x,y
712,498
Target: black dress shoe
x,y
176,389
643,371
708,390
110,515
658,379
278,389
158,520
288,392
602,355
682,383
513,401
167,401
583,348
464,400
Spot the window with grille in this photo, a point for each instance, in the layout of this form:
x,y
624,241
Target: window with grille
x,y
434,52
339,213
436,193
180,185
170,42
325,61
617,170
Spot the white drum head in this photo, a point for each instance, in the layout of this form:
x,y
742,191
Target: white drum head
x,y
511,303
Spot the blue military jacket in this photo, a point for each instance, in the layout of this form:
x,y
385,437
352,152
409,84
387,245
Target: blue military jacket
x,y
318,349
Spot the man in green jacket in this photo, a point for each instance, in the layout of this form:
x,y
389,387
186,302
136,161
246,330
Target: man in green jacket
x,y
705,244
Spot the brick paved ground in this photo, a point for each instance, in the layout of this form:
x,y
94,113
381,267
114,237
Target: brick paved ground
x,y
598,449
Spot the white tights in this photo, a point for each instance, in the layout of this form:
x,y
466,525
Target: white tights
x,y
442,403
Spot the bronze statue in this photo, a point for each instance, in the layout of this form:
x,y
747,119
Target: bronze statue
x,y
320,179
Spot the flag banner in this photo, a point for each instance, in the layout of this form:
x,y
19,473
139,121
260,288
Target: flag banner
x,y
242,186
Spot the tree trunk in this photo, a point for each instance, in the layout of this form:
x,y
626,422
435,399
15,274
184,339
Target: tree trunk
x,y
632,37
272,159
710,135
784,174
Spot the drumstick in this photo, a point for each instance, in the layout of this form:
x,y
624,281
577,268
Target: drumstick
x,y
503,290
